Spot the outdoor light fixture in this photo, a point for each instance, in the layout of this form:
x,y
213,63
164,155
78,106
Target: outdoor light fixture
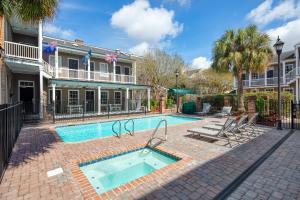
x,y
177,97
278,47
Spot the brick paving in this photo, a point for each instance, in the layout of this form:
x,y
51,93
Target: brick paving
x,y
213,166
277,178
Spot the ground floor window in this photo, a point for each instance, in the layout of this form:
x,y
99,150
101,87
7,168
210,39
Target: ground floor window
x,y
104,97
73,97
269,90
291,90
117,97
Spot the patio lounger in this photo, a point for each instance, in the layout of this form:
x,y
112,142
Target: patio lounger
x,y
226,111
205,110
251,126
214,134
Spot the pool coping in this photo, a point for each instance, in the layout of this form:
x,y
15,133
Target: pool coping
x,y
59,139
88,190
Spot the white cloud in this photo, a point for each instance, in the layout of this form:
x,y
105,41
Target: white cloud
x,y
140,49
53,30
289,33
146,24
266,12
201,63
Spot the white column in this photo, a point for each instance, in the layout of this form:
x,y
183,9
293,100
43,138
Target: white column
x,y
41,95
114,71
127,99
297,90
99,100
148,98
40,38
89,69
297,61
134,69
234,81
266,75
283,72
53,93
250,78
56,63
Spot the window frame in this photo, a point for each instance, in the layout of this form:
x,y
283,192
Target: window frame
x,y
107,99
120,97
78,99
69,63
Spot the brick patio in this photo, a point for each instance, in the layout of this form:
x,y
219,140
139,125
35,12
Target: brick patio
x,y
211,169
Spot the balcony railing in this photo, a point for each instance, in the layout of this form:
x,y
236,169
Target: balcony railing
x,y
66,73
262,82
22,51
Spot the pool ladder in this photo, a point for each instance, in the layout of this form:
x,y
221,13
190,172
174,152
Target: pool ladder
x,y
160,140
118,133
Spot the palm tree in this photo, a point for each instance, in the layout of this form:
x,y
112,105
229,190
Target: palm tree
x,y
242,50
28,10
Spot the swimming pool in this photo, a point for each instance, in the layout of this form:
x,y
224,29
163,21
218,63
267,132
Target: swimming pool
x,y
84,132
113,172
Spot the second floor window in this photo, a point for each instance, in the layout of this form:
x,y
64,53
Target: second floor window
x,y
288,68
73,64
254,76
103,67
127,71
118,69
52,61
270,74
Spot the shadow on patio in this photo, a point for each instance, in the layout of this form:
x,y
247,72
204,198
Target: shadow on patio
x,y
31,143
206,180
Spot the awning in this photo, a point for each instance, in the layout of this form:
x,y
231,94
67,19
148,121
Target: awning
x,y
106,85
181,91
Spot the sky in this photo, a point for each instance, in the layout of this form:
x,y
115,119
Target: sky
x,y
188,28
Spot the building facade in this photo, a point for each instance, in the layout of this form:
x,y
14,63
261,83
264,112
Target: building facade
x,y
268,80
61,78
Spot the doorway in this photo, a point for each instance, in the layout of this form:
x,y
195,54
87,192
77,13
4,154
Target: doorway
x,y
90,100
26,96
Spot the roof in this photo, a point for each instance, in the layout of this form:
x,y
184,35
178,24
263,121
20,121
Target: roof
x,y
76,83
86,47
286,55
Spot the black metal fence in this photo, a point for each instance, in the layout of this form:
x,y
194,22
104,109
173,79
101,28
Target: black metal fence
x,y
69,110
11,121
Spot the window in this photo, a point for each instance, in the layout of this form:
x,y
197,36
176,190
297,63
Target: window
x,y
92,66
52,61
127,71
270,73
118,69
73,63
288,68
254,76
26,84
104,97
243,76
73,97
118,97
103,67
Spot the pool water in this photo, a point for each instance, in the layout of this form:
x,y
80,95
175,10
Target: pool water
x,y
84,132
108,174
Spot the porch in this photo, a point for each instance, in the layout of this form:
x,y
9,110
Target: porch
x,y
75,99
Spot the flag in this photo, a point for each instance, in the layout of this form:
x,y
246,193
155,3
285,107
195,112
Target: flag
x,y
87,57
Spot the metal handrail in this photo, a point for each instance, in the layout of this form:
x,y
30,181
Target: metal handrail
x,y
113,128
155,131
125,127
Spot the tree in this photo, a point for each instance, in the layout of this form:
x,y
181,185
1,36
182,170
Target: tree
x,y
157,69
28,10
208,81
242,50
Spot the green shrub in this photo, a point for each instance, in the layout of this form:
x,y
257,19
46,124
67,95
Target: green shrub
x,y
170,103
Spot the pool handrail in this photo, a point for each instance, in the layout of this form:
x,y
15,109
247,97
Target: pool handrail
x,y
125,127
120,127
155,131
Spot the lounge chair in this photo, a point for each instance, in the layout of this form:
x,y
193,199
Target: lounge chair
x,y
205,110
215,134
251,126
226,111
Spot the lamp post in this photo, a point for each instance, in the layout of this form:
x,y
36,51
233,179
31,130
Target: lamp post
x,y
278,47
177,97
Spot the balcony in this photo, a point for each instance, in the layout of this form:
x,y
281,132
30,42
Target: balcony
x,y
21,51
83,75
